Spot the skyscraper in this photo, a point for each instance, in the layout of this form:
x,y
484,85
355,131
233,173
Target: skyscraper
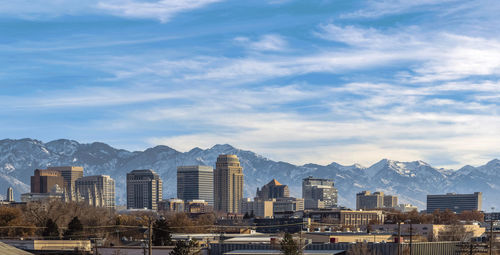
x,y
366,200
70,175
228,184
273,189
319,193
144,189
10,195
44,180
98,190
195,183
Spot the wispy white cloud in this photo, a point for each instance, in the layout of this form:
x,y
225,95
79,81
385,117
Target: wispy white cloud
x,y
269,42
376,9
91,97
162,10
436,55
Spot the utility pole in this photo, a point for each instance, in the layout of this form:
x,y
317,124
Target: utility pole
x,y
399,237
491,230
300,240
150,236
491,236
411,235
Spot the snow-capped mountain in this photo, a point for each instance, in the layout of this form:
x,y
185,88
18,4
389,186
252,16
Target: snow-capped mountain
x,y
411,181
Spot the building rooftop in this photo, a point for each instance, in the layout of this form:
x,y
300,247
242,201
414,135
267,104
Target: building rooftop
x,y
306,252
275,183
11,250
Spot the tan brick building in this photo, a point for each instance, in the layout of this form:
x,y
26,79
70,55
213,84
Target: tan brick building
x,y
228,184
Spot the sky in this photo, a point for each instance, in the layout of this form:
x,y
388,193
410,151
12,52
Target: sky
x,y
298,81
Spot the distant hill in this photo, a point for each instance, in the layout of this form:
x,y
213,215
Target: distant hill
x,y
412,181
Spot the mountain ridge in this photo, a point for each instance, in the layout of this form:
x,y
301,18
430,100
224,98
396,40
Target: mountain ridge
x,y
411,181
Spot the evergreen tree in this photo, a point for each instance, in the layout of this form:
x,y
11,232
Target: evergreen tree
x,y
161,233
51,230
184,248
289,246
246,216
75,229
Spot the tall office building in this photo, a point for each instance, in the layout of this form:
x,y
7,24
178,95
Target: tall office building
x,y
98,190
144,189
365,200
455,202
319,193
228,184
10,195
70,175
44,180
195,183
273,189
390,201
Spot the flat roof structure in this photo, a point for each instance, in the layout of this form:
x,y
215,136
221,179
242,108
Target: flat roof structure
x,y
272,252
11,250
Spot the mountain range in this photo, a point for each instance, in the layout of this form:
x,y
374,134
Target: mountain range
x,y
411,181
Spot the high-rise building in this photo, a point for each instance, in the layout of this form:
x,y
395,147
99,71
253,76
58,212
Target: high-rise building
x,y
70,175
228,184
98,190
319,193
390,201
10,195
144,189
44,180
365,200
455,202
195,183
273,189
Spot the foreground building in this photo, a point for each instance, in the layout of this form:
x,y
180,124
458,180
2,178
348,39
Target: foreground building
x,y
144,189
195,183
319,193
430,231
98,190
228,184
455,202
346,217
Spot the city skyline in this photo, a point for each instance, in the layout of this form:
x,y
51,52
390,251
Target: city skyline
x,y
218,127
347,81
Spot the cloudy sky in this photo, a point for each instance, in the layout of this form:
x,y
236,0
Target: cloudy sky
x,y
299,81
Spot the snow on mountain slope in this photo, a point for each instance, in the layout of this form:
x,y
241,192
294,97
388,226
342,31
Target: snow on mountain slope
x,y
412,181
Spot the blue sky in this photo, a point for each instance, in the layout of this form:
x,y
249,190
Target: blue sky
x,y
298,81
